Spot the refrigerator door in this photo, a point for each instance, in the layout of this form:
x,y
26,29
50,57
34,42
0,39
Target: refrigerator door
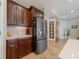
x,y
39,35
41,46
39,28
45,29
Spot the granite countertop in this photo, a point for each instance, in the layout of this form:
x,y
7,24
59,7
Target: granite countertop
x,y
70,50
18,37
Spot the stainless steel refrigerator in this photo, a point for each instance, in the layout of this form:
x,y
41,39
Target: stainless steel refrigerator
x,y
39,35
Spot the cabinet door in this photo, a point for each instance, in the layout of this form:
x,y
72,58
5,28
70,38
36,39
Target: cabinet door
x,y
36,12
22,16
28,46
21,48
25,17
24,47
20,20
30,18
11,51
11,13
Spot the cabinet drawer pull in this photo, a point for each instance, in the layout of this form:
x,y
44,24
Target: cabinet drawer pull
x,y
13,41
12,45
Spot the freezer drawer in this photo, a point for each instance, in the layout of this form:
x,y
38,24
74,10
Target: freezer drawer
x,y
41,46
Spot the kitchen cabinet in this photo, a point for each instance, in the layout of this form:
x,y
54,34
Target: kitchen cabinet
x,y
33,12
16,14
28,46
24,47
22,14
11,49
36,12
11,13
21,47
19,15
18,48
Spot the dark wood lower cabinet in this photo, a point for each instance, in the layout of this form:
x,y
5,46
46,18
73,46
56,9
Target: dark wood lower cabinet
x,y
11,51
28,46
18,48
24,47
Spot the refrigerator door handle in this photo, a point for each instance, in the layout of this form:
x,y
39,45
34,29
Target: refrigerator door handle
x,y
40,33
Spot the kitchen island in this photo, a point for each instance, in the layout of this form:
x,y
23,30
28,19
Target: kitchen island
x,y
70,50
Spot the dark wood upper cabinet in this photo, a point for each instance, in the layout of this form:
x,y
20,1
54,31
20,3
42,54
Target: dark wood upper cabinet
x,y
26,18
34,12
17,14
21,13
11,13
21,16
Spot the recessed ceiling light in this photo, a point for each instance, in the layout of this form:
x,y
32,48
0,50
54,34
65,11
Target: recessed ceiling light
x,y
72,55
72,11
54,11
70,0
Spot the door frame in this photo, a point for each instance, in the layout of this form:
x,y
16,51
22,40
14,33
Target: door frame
x,y
55,34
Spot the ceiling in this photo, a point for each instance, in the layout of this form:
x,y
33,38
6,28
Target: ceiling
x,y
62,9
28,3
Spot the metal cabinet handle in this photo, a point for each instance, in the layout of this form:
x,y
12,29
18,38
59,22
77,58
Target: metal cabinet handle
x,y
13,41
40,33
12,45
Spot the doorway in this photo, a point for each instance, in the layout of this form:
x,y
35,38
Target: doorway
x,y
53,30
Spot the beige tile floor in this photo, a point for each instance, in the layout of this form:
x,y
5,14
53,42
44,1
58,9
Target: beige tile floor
x,y
52,51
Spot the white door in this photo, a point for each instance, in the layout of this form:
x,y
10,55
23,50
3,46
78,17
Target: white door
x,y
52,29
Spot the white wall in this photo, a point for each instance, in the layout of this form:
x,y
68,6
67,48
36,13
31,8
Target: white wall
x,y
74,33
62,27
67,24
2,28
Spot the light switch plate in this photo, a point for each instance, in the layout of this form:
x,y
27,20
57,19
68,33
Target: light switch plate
x,y
0,3
0,32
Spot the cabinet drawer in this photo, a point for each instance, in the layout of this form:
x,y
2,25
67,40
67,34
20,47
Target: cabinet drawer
x,y
11,42
11,49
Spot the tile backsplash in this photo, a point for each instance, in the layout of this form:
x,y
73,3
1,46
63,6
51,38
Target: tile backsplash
x,y
17,30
